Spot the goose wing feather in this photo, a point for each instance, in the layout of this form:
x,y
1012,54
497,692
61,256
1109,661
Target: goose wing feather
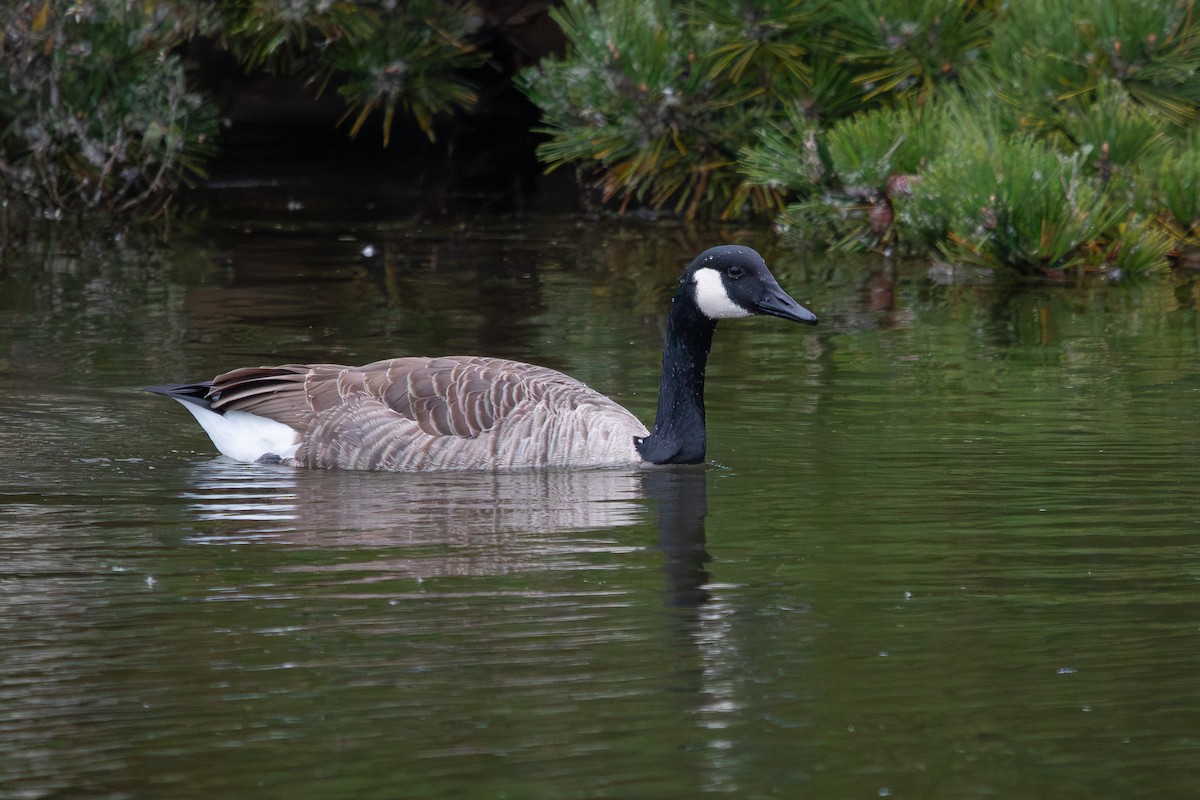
x,y
439,413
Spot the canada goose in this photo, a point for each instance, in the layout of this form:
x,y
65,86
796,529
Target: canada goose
x,y
468,412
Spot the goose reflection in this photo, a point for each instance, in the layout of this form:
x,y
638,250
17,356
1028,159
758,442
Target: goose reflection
x,y
385,526
460,523
681,503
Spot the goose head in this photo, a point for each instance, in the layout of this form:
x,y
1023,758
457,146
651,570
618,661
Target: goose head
x,y
731,281
724,282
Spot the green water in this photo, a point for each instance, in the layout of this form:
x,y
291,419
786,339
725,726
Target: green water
x,y
948,544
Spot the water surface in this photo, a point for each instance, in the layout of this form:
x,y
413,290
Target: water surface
x,y
947,545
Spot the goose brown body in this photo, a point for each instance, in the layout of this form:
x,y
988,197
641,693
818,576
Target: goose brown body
x,y
421,414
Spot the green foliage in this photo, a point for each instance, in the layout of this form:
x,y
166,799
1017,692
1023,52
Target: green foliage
x,y
280,37
1021,205
638,59
1032,135
96,111
1113,131
1046,51
786,155
1137,247
911,46
659,107
386,55
1175,183
94,105
857,169
753,42
867,149
413,60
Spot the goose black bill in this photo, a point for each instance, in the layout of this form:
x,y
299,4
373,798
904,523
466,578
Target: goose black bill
x,y
779,304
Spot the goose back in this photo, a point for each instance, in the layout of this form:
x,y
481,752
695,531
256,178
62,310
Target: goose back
x,y
420,414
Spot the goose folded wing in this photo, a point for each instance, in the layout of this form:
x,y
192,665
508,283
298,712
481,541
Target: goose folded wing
x,y
460,397
290,393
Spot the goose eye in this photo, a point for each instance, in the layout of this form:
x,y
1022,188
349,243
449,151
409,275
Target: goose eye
x,y
734,272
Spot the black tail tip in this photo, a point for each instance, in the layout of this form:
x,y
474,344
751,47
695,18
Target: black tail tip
x,y
187,392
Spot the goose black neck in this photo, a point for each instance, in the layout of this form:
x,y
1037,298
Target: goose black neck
x,y
678,436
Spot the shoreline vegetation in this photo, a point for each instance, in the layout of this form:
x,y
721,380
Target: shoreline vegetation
x,y
1037,137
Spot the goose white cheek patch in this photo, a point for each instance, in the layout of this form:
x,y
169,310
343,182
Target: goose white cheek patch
x,y
712,299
